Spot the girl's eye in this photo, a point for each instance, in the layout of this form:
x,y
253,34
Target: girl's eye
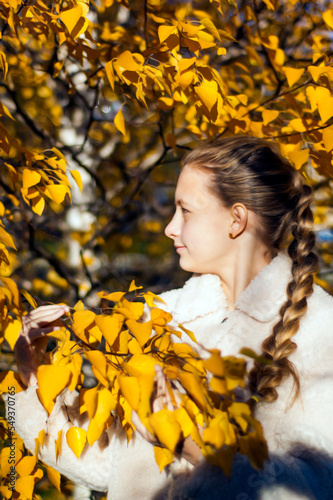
x,y
184,210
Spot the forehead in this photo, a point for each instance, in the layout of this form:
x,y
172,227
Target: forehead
x,y
193,187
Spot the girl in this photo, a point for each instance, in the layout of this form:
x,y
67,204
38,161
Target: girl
x,y
239,203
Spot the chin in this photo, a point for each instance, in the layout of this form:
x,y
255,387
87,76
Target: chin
x,y
189,268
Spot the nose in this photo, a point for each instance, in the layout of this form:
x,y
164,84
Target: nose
x,y
173,228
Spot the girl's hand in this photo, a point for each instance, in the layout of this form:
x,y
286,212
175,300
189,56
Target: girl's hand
x,y
190,451
161,400
34,326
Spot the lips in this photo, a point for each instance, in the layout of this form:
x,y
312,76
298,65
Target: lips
x,y
179,248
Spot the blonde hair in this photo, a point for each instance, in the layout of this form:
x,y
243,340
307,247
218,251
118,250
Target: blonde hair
x,y
252,171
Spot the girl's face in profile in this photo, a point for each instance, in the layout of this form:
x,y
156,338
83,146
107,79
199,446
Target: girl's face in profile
x,y
200,226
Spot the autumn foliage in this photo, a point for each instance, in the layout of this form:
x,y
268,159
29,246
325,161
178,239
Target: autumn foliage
x,y
123,350
104,97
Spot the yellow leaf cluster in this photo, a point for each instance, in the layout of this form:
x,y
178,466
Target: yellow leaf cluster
x,y
201,391
19,470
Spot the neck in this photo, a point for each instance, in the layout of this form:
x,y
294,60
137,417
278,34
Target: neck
x,y
246,262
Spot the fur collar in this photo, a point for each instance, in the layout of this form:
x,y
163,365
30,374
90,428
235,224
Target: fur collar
x,y
203,294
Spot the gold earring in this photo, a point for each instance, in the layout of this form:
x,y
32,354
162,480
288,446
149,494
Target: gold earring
x,y
231,236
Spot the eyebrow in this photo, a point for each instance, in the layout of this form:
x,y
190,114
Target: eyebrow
x,y
182,202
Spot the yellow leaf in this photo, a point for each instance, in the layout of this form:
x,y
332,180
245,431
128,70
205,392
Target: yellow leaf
x,y
26,466
38,205
133,287
298,125
88,401
6,456
134,347
189,333
131,310
57,192
279,57
106,403
160,317
218,385
12,331
183,65
41,437
221,51
15,295
51,381
77,177
57,443
3,64
71,17
30,178
141,364
317,71
205,39
80,27
126,62
226,35
214,436
79,306
237,411
325,103
184,421
269,4
141,331
269,116
10,381
207,93
98,360
114,296
24,486
120,122
123,342
110,326
165,31
163,457
293,75
6,238
149,298
54,476
130,389
328,18
220,431
184,81
215,363
29,298
110,73
166,428
76,439
194,387
81,321
299,158
328,138
211,27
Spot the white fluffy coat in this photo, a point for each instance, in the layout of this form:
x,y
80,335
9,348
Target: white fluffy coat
x,y
300,437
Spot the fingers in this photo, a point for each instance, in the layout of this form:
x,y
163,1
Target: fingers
x,y
141,428
162,398
33,323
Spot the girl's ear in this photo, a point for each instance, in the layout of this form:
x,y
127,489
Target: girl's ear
x,y
239,215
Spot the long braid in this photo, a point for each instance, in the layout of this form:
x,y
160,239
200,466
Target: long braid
x,y
279,346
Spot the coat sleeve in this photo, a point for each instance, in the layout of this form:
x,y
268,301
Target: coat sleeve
x,y
92,468
126,470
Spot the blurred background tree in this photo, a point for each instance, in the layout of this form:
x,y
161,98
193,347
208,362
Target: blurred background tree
x,y
113,93
100,99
